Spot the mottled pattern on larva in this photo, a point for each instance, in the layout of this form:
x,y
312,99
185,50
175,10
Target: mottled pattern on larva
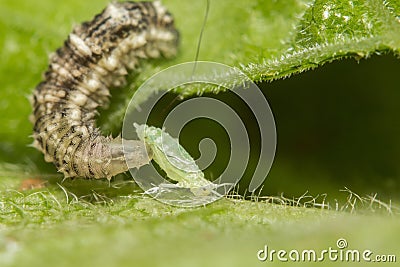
x,y
95,57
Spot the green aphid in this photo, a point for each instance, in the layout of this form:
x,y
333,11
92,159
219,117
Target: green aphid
x,y
174,160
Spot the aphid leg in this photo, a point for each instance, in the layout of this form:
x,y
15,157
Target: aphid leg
x,y
209,189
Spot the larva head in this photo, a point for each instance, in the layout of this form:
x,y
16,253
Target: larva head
x,y
166,34
164,18
145,23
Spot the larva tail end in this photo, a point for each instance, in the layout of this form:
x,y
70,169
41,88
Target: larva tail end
x,y
136,153
126,155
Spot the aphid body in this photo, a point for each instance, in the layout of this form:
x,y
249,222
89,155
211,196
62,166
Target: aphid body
x,y
174,160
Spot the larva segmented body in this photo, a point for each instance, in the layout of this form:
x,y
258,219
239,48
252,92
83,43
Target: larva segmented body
x,y
95,57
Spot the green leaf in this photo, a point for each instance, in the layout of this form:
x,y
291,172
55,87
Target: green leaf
x,y
115,225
